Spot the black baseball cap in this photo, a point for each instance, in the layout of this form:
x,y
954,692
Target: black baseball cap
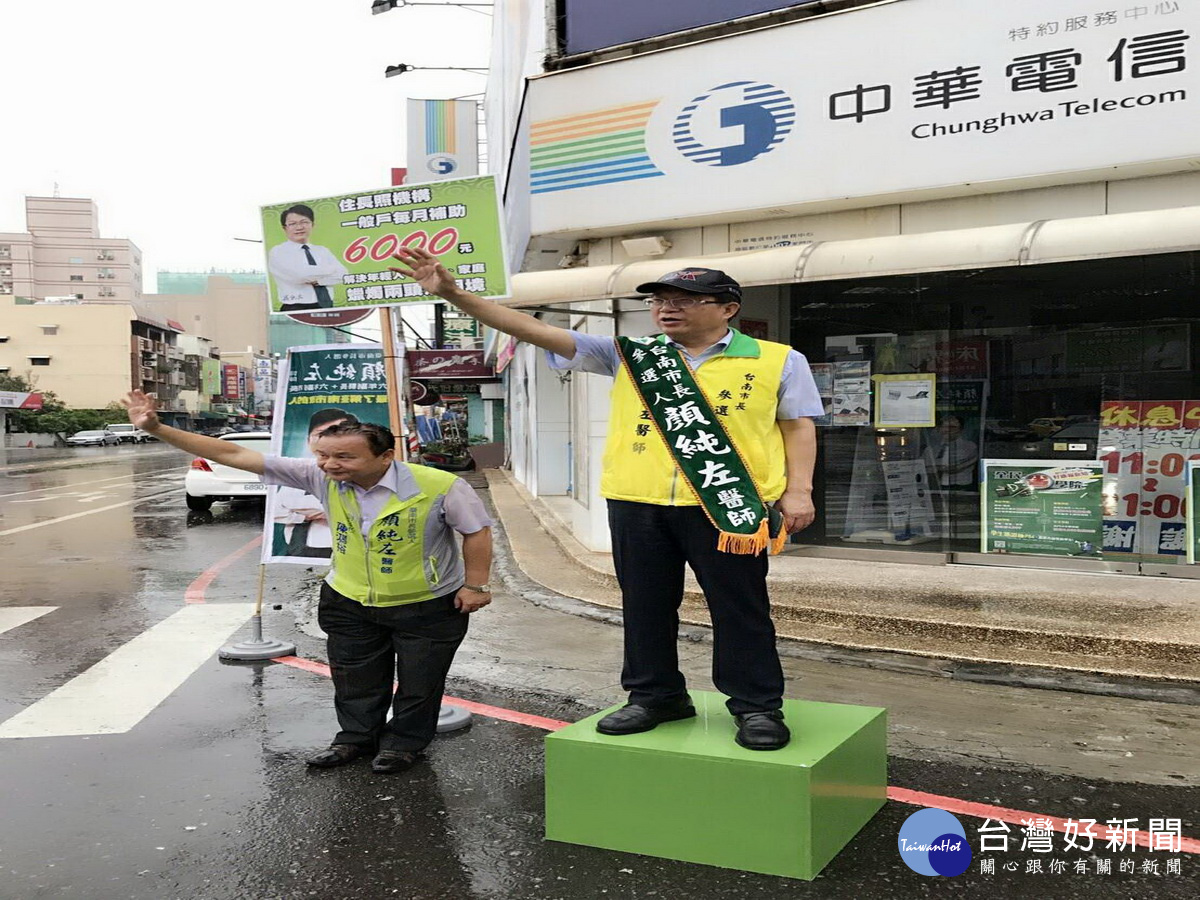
x,y
697,281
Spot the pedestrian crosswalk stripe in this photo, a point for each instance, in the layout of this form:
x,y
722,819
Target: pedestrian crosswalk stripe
x,y
15,616
123,688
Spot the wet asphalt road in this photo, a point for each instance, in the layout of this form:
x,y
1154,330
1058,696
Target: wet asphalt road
x,y
208,797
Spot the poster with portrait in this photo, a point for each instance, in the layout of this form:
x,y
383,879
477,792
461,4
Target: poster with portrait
x,y
335,252
318,386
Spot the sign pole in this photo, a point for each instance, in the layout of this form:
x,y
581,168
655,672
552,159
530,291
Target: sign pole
x,y
393,373
450,718
258,647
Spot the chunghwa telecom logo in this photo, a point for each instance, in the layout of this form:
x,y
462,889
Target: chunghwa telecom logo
x,y
734,123
933,842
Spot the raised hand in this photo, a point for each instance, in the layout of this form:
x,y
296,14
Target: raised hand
x,y
425,269
142,410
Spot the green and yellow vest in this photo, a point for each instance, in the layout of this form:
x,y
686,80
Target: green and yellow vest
x,y
408,556
742,385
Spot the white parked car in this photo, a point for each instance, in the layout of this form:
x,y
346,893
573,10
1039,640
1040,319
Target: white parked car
x,y
207,481
92,439
128,433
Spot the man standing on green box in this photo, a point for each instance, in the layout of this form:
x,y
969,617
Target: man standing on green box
x,y
709,464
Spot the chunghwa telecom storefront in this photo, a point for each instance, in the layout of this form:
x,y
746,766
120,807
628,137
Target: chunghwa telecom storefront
x,y
986,247
1011,405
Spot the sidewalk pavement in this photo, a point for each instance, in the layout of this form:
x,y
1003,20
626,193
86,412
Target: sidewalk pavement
x,y
1132,635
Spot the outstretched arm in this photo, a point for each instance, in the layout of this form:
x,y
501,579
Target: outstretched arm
x,y
424,268
143,413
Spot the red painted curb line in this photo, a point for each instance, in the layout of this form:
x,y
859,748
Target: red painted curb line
x,y
1013,816
195,591
897,794
492,712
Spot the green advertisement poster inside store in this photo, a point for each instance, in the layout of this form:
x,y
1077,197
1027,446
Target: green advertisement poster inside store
x,y
1042,507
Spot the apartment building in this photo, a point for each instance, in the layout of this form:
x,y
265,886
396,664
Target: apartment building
x,y
283,331
62,255
90,353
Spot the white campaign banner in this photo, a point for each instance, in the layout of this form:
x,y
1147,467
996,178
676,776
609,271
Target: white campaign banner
x,y
904,101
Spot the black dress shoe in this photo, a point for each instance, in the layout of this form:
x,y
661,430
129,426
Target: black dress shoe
x,y
337,755
762,730
389,762
632,719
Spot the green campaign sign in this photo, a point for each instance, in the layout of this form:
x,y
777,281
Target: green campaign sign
x,y
318,385
334,252
1192,511
1045,507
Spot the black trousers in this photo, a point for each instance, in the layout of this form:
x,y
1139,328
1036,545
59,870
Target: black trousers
x,y
371,645
651,546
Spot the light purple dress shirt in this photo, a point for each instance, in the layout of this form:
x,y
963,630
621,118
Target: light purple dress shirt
x,y
461,509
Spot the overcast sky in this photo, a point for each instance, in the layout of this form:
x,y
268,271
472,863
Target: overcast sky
x,y
181,118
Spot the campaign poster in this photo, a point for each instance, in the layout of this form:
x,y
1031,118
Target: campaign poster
x,y
1042,507
317,387
335,252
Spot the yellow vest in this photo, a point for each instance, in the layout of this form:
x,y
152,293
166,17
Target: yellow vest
x,y
408,556
637,464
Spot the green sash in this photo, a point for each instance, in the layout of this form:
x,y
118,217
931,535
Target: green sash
x,y
710,462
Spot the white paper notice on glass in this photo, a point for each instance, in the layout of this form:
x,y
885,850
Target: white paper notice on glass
x,y
904,401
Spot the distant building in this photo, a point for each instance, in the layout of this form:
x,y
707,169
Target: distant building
x,y
283,332
62,255
232,315
91,353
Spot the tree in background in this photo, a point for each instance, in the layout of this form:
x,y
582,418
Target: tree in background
x,y
55,417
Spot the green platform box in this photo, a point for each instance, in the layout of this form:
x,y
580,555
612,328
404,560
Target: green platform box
x,y
686,791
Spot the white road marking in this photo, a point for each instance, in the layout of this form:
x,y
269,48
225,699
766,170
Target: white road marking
x,y
15,616
80,497
93,497
171,475
89,512
123,688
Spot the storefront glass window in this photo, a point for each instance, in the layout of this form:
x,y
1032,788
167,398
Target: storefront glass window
x,y
926,375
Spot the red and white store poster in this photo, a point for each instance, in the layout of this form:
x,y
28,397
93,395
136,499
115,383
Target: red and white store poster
x,y
1145,446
